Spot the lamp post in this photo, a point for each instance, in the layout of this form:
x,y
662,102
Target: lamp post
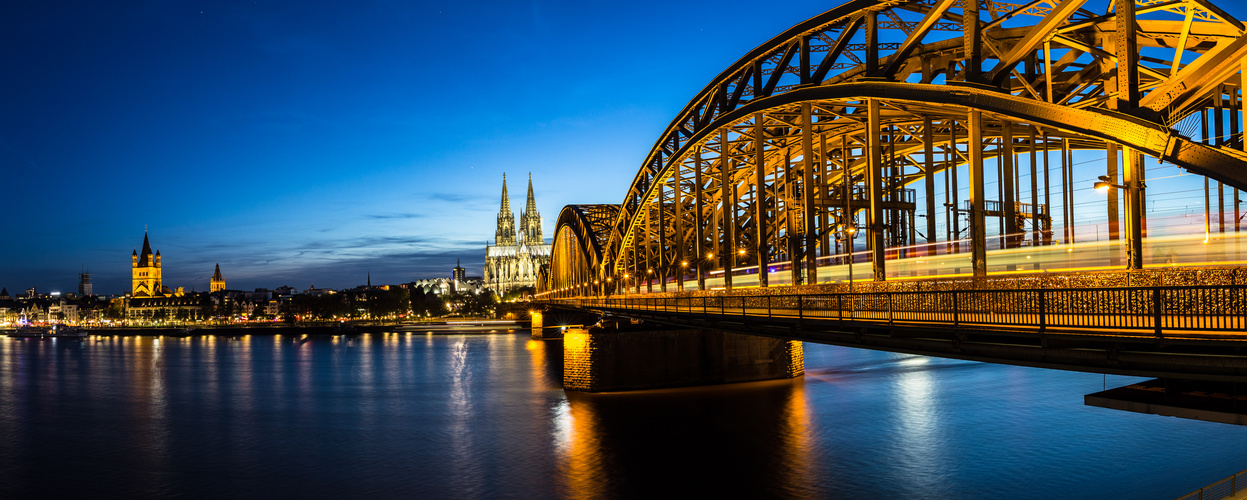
x,y
848,232
1134,214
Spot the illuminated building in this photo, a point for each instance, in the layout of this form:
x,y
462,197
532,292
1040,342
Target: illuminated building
x,y
515,258
145,273
218,283
458,273
150,300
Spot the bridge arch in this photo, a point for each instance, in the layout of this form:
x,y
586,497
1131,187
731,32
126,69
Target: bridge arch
x,y
822,130
579,236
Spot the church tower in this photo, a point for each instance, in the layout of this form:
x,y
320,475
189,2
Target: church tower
x,y
218,283
530,219
145,271
505,235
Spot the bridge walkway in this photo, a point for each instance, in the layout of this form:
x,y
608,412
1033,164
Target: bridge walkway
x,y
1175,332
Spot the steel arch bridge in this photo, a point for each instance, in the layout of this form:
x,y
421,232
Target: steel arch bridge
x,y
835,124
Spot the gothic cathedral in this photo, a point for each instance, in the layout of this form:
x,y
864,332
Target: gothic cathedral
x,y
515,258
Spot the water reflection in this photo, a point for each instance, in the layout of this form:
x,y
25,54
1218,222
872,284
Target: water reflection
x,y
474,416
668,442
918,441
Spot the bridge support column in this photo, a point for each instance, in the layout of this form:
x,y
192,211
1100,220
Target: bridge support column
x,y
874,189
978,221
727,194
623,357
1133,179
928,176
664,262
760,209
1008,200
809,215
539,330
699,221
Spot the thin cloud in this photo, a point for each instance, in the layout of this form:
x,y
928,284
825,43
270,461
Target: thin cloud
x,y
394,216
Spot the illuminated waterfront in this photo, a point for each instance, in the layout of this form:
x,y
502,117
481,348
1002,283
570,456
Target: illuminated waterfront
x,y
479,416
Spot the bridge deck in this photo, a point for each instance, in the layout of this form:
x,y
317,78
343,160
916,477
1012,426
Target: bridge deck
x,y
1177,332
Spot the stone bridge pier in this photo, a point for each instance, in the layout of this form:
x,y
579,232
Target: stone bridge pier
x,y
618,355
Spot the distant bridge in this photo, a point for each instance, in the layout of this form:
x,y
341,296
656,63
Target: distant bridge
x,y
870,120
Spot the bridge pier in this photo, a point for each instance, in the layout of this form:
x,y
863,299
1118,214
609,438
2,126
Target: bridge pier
x,y
621,356
538,326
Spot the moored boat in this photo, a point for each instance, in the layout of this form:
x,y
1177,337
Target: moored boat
x,y
46,332
67,331
30,331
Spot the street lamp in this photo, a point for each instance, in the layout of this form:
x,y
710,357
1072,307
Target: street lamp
x,y
849,231
1105,183
1134,214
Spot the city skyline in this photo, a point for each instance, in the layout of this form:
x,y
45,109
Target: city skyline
x,y
303,145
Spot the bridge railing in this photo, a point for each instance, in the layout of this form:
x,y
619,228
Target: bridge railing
x,y
1126,310
1220,489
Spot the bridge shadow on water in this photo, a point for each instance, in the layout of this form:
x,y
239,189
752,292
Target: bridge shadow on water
x,y
739,440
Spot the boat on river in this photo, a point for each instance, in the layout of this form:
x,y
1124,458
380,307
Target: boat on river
x,y
30,331
67,331
46,332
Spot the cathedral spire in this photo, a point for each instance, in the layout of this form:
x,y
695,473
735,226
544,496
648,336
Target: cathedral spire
x,y
531,206
506,202
505,235
530,219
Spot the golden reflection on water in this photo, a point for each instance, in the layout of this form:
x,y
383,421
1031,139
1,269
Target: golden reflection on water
x,y
603,440
797,449
537,358
580,450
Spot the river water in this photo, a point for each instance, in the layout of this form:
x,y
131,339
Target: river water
x,y
484,416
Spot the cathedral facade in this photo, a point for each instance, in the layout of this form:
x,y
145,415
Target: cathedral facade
x,y
516,257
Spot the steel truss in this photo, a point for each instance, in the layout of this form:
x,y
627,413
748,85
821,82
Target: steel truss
x,y
824,130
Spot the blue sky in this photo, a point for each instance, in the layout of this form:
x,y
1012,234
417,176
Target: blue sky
x,y
314,142
302,143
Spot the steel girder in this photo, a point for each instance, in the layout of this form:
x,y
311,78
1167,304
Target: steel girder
x,y
702,178
579,236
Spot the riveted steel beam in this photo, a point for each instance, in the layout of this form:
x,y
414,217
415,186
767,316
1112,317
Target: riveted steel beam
x,y
915,38
1035,36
